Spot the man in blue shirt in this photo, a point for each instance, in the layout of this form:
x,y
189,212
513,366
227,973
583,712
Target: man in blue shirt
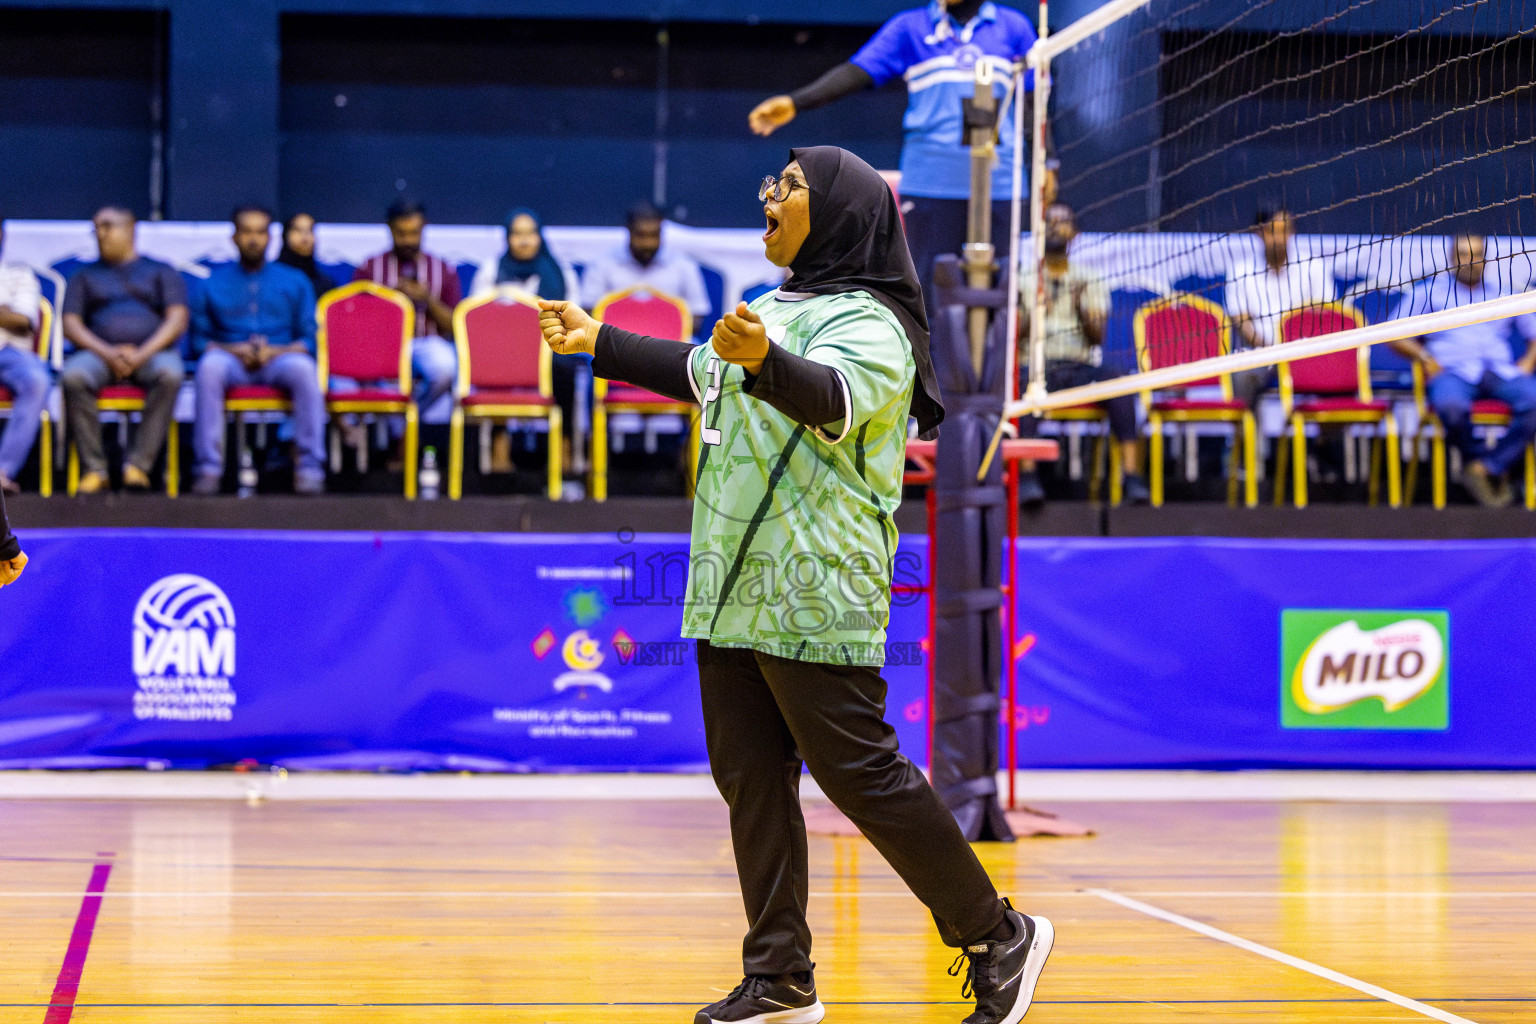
x,y
255,322
1474,362
935,49
124,314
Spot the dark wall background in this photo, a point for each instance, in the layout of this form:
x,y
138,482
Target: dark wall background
x,y
183,108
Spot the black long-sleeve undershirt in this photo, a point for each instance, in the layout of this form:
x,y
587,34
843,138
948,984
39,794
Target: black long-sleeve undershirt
x,y
806,391
843,80
652,363
10,547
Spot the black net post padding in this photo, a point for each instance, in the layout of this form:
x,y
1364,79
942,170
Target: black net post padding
x,y
968,655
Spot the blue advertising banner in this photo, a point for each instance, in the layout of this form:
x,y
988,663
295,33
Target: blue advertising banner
x,y
1234,653
561,653
507,652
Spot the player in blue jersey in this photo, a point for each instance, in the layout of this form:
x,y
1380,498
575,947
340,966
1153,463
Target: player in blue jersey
x,y
935,49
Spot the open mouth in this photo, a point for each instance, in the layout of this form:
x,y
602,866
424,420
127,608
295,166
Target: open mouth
x,y
773,226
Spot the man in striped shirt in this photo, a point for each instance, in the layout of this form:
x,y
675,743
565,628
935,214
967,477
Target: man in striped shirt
x,y
433,286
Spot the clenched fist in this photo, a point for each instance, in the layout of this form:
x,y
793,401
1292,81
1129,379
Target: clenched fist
x,y
568,330
11,568
773,113
741,338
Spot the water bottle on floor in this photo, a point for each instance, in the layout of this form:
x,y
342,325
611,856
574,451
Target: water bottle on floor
x,y
429,479
247,477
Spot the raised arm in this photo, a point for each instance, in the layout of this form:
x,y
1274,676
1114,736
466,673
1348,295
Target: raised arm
x,y
777,111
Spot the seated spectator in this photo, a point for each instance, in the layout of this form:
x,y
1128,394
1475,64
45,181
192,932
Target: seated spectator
x,y
124,313
1259,294
1464,364
646,262
255,324
432,285
1076,312
298,252
528,264
21,371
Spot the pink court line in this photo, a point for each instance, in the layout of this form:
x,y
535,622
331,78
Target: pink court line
x,y
62,1006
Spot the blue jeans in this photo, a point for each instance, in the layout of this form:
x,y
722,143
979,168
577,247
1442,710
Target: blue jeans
x,y
293,372
1452,398
26,377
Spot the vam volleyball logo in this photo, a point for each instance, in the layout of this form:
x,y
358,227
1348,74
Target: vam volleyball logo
x,y
1365,670
184,651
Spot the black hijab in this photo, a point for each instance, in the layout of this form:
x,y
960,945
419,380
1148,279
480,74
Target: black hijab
x,y
318,278
856,244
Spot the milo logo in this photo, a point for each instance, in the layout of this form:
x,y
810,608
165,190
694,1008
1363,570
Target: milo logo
x,y
1364,670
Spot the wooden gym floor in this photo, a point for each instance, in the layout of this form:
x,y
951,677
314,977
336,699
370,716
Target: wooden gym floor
x,y
593,911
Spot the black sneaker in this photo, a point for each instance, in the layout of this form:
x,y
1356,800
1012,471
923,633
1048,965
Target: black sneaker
x,y
1135,490
785,999
1002,975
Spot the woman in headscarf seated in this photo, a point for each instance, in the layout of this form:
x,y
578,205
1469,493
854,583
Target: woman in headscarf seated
x,y
805,397
528,265
299,252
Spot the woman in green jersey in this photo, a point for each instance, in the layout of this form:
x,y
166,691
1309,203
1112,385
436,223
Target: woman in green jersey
x,y
805,398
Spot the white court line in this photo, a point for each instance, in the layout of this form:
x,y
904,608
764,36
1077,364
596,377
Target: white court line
x,y
1285,958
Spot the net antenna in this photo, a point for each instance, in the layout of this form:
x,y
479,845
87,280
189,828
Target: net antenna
x,y
1385,128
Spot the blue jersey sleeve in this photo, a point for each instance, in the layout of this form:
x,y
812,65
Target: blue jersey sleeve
x,y
888,53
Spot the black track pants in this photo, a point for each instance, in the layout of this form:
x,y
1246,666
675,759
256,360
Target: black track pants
x,y
763,717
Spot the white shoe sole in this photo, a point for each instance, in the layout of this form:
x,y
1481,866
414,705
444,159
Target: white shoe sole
x,y
812,1014
1034,964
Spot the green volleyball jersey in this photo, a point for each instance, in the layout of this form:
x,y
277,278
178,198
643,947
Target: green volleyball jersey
x,y
793,538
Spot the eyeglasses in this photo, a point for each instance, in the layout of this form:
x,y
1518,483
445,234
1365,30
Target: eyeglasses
x,y
778,188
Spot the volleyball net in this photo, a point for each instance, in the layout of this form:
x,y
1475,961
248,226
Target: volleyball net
x,y
1193,136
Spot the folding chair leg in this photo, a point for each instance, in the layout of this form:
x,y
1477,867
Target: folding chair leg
x,y
172,462
1250,461
456,454
45,458
1299,454
1116,472
411,457
1437,469
1155,459
72,473
556,453
1530,477
599,454
1392,451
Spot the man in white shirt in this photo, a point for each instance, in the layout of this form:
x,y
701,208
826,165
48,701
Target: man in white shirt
x,y
22,373
1464,364
645,262
1259,294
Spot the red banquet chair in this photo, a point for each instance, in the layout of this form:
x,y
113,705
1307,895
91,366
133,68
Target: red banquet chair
x,y
41,343
1183,329
1337,392
658,315
364,331
504,374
